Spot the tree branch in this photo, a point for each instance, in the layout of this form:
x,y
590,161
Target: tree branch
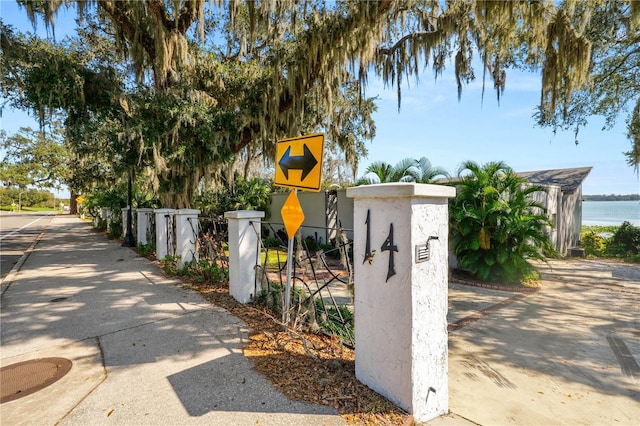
x,y
119,16
287,98
188,14
389,50
615,69
156,7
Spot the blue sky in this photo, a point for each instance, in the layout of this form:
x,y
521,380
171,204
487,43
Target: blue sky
x,y
432,123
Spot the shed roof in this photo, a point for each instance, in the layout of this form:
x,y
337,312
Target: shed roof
x,y
568,179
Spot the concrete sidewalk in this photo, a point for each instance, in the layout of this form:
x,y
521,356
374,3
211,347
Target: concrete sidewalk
x,y
144,350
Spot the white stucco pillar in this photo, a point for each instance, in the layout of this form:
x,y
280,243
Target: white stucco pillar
x,y
143,230
105,214
165,236
186,235
401,277
244,252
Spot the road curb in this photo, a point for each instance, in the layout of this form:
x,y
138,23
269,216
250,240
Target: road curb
x,y
10,277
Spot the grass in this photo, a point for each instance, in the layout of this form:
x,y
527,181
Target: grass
x,y
600,229
28,209
271,257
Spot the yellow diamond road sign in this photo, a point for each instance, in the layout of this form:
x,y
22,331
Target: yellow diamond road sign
x,y
292,214
299,162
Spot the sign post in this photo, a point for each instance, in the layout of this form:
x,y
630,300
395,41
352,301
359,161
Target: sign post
x,y
299,166
292,216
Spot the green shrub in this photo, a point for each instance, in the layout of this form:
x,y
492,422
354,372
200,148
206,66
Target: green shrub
x,y
271,298
101,225
626,240
115,229
253,194
145,250
202,271
311,244
330,250
170,265
337,322
496,226
270,242
622,242
115,199
593,244
211,271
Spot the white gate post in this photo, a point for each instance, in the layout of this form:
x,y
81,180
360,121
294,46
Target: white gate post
x,y
401,278
164,232
186,235
244,251
105,214
144,222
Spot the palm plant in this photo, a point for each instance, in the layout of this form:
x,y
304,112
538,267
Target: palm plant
x,y
383,172
496,226
427,173
407,170
251,194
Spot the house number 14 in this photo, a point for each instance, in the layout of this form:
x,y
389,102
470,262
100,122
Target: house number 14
x,y
388,245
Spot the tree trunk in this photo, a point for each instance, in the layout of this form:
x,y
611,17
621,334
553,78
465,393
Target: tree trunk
x,y
174,200
73,204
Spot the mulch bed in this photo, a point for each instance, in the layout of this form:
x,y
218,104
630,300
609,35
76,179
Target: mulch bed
x,y
460,277
304,366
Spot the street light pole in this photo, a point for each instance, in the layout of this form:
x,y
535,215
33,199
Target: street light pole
x,y
128,238
20,201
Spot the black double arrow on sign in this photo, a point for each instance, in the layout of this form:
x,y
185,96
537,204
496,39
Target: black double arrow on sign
x,y
305,162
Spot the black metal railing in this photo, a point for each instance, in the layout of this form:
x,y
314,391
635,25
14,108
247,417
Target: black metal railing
x,y
321,291
213,261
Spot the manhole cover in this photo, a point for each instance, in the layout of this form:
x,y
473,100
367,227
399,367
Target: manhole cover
x,y
24,378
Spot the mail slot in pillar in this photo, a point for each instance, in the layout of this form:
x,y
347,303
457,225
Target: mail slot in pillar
x,y
401,279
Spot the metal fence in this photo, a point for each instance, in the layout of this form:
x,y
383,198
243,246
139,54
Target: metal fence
x,y
170,226
213,261
321,282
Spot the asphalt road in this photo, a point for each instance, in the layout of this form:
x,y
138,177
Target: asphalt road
x,y
17,232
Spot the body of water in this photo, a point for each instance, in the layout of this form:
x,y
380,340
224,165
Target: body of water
x,y
610,212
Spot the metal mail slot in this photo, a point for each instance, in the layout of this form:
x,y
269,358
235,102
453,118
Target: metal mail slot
x,y
423,252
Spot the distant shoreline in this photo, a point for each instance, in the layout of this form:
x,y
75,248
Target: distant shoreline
x,y
611,197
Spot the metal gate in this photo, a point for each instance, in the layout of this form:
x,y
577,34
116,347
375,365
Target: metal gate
x,y
321,282
213,262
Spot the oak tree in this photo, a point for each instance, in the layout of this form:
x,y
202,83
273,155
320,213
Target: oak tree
x,y
214,78
613,88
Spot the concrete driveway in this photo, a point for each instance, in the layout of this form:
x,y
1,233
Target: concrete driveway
x,y
567,354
